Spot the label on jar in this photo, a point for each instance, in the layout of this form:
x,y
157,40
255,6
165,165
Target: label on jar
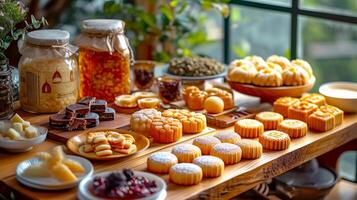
x,y
48,89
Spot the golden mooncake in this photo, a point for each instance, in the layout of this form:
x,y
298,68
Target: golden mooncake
x,y
195,100
185,153
270,120
192,122
249,128
314,98
251,149
282,105
268,77
227,98
229,153
161,162
338,113
188,90
294,128
205,143
141,120
211,166
321,121
301,110
186,174
165,129
274,140
227,136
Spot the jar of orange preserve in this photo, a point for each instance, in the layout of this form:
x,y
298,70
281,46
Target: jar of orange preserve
x,y
104,59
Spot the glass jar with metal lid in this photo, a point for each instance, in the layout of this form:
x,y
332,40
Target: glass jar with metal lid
x,y
49,75
104,59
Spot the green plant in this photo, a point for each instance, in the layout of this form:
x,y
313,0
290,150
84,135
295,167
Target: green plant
x,y
172,28
13,12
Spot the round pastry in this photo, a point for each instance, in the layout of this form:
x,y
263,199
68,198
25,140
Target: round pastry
x,y
192,122
227,98
148,102
140,121
270,120
211,166
294,128
256,60
305,65
270,65
126,101
227,137
239,63
251,149
249,128
186,174
188,90
268,77
295,75
195,100
280,60
205,143
161,162
274,140
185,153
143,94
213,105
243,74
229,153
165,129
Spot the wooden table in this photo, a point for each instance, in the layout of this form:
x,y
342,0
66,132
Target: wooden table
x,y
235,180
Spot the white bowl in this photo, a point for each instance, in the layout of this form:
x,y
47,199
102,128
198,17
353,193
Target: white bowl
x,y
84,192
25,144
50,183
341,94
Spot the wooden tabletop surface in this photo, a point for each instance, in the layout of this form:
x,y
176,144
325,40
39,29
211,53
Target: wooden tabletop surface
x,y
235,180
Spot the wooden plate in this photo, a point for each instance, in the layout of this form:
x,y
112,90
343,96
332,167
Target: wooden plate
x,y
75,143
270,94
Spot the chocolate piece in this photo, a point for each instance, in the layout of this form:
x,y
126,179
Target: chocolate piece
x,y
92,119
108,115
59,121
98,106
77,124
87,101
76,110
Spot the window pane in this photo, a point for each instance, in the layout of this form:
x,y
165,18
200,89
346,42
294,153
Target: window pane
x,y
274,2
345,7
331,49
258,31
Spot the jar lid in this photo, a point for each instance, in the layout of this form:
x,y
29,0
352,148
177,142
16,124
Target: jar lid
x,y
102,26
48,37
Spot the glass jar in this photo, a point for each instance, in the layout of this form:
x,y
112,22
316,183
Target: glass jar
x,y
6,99
144,74
48,72
169,88
104,59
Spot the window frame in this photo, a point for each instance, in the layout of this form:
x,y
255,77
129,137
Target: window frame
x,y
294,10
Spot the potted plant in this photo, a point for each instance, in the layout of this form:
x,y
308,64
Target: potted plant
x,y
12,13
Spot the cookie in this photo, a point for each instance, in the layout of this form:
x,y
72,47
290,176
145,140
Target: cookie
x,y
274,140
294,128
227,137
270,120
185,174
249,128
211,166
229,153
185,153
205,143
251,149
161,162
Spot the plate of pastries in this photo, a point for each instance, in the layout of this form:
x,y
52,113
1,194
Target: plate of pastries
x,y
53,170
107,144
271,78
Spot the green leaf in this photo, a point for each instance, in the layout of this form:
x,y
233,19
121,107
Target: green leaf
x,y
174,3
239,51
167,11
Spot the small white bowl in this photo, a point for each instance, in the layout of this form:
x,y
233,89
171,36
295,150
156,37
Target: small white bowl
x,y
341,94
25,144
84,191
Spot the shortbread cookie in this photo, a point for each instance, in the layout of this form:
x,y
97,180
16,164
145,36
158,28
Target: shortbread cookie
x,y
229,153
140,121
249,128
321,121
186,174
192,122
270,120
166,129
294,128
206,143
185,153
338,113
161,162
126,101
251,149
227,137
274,140
211,166
149,102
301,110
282,105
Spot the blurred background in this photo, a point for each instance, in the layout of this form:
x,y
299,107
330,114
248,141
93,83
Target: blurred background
x,y
261,27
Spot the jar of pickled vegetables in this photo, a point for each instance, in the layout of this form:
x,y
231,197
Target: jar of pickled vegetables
x,y
48,71
104,59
